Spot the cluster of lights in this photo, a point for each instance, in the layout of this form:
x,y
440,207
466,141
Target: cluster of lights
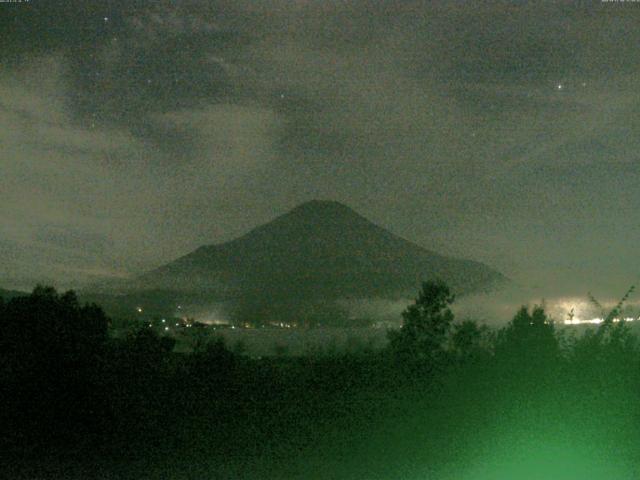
x,y
595,321
281,325
164,321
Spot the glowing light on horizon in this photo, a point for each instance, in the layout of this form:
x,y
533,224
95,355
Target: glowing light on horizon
x,y
595,321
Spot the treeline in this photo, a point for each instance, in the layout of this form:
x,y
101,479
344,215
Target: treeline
x,y
443,398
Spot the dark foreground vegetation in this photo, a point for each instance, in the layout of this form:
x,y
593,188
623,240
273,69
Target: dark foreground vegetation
x,y
445,399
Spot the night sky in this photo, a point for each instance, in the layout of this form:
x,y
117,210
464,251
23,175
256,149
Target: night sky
x,y
133,132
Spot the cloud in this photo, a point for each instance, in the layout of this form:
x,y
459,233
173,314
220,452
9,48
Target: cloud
x,y
174,125
56,173
79,199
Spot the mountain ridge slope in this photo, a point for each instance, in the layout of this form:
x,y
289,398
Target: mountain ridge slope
x,y
319,249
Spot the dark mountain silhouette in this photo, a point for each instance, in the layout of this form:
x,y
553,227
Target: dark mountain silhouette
x,y
318,252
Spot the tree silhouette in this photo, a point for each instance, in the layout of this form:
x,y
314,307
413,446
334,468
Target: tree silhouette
x,y
426,324
466,339
51,329
612,343
529,337
616,311
50,353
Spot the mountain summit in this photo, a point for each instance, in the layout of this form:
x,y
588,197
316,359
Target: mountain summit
x,y
321,251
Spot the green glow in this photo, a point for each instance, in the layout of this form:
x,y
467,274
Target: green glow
x,y
533,451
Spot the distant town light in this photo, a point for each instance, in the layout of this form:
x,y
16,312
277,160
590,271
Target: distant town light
x,y
595,321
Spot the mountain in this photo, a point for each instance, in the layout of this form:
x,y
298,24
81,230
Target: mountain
x,y
319,252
